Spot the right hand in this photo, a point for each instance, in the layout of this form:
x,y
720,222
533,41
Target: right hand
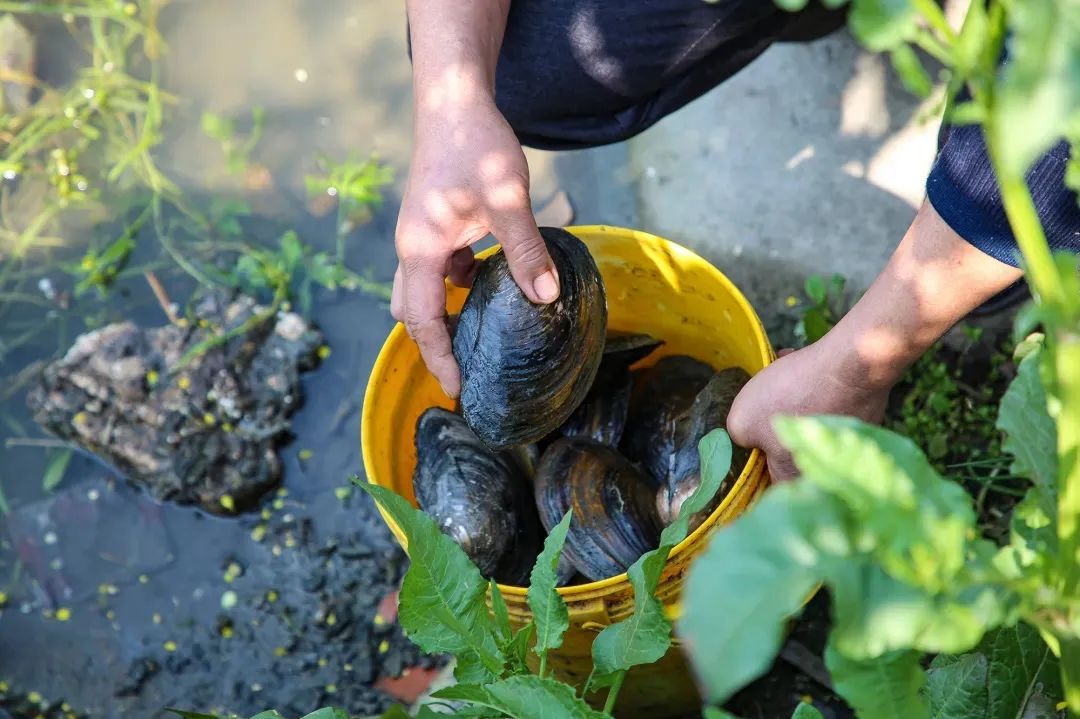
x,y
468,178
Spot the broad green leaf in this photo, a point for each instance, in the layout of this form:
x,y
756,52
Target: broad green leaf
x,y
328,713
875,613
442,604
470,669
815,325
1038,93
1030,433
292,252
548,608
716,713
882,24
915,523
525,697
197,715
754,575
805,710
910,70
1019,660
55,468
498,609
888,687
814,287
956,687
269,714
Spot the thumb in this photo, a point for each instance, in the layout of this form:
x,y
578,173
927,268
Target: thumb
x,y
527,254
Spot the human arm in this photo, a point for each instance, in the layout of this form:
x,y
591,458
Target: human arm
x,y
468,176
934,278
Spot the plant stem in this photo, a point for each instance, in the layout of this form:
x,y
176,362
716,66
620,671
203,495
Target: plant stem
x,y
543,665
1067,360
1070,674
936,17
1024,219
613,693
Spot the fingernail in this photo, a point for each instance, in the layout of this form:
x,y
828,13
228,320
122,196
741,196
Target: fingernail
x,y
546,287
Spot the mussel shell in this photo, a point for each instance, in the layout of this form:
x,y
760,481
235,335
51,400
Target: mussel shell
x,y
476,496
614,509
708,412
662,393
524,367
602,414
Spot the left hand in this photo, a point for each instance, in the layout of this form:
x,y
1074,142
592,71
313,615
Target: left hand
x,y
802,382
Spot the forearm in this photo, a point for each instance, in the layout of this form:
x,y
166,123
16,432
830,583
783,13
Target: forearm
x,y
933,280
455,47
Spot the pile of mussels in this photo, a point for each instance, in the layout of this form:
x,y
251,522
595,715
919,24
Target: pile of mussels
x,y
552,418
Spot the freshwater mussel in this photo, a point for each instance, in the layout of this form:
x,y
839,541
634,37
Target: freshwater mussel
x,y
478,497
708,411
526,367
614,513
601,416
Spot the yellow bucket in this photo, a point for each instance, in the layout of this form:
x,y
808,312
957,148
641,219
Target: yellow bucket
x,y
655,287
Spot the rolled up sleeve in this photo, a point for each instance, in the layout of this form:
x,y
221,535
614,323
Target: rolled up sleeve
x,y
965,193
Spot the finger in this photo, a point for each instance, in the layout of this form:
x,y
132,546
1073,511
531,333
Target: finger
x,y
527,255
781,466
397,297
425,318
462,267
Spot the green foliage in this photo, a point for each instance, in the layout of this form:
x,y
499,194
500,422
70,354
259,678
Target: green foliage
x,y
806,711
357,184
549,610
222,129
825,305
524,697
55,467
888,686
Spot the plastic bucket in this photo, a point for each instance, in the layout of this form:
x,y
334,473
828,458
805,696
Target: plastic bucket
x,y
653,286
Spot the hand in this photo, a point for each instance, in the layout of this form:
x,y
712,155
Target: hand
x,y
802,382
468,178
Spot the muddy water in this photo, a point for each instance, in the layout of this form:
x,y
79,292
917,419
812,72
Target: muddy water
x,y
119,605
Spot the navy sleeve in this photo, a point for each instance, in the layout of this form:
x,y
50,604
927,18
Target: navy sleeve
x,y
963,190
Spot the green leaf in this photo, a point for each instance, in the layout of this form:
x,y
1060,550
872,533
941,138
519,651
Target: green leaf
x,y
815,325
524,697
910,70
1030,432
292,251
498,609
328,713
716,713
916,523
1038,93
399,712
814,287
754,575
956,687
216,127
806,710
645,636
518,648
55,469
1019,660
789,5
195,715
548,608
888,687
269,714
442,601
882,24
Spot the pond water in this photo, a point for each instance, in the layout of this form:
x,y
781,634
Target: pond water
x,y
121,605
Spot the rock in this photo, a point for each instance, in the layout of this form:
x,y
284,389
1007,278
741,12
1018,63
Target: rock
x,y
204,433
16,66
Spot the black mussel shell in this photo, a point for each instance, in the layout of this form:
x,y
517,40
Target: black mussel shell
x,y
708,412
524,367
602,414
476,496
614,508
662,393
